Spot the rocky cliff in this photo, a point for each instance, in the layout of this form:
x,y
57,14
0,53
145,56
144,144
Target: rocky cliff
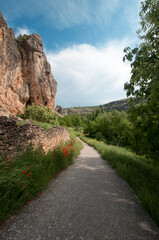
x,y
25,74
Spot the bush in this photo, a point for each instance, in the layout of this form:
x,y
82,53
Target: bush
x,y
40,114
22,38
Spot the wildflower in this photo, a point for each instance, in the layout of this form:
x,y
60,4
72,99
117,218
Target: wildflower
x,y
54,152
41,155
30,173
28,176
24,171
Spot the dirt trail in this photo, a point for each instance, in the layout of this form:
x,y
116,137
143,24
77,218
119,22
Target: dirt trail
x,y
87,201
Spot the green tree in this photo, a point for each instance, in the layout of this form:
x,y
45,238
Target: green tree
x,y
120,126
91,129
113,126
144,82
101,108
103,123
76,120
68,121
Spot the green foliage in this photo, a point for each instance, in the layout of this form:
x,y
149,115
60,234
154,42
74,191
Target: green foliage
x,y
71,120
99,136
120,126
61,121
44,125
113,126
140,174
22,38
24,177
91,129
40,114
144,82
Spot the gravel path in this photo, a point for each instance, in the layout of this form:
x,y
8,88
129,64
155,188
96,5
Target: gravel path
x,y
87,201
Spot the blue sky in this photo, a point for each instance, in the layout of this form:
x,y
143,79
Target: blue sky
x,y
83,41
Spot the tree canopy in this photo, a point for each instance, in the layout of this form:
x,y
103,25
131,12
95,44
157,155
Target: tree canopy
x,y
144,82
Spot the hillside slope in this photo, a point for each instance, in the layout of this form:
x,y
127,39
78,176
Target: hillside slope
x,y
115,105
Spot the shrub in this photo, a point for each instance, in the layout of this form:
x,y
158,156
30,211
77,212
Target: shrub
x,y
22,38
40,114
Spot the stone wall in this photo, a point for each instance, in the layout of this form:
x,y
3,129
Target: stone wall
x,y
15,138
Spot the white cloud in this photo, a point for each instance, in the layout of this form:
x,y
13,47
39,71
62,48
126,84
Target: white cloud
x,y
88,75
22,31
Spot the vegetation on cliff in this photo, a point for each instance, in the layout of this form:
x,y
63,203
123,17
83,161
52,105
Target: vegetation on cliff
x,y
41,115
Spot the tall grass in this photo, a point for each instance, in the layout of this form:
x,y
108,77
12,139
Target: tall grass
x,y
139,172
44,125
22,178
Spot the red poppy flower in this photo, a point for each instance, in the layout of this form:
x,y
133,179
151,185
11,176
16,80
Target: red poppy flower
x,y
24,171
30,173
28,176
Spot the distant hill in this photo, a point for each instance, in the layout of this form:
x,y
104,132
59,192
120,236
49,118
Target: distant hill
x,y
115,105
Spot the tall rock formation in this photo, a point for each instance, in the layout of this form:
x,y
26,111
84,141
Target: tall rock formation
x,y
25,74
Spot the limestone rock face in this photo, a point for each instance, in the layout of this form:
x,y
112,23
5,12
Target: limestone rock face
x,y
25,74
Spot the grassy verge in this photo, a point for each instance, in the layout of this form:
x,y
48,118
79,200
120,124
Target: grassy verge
x,y
139,172
24,177
44,125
